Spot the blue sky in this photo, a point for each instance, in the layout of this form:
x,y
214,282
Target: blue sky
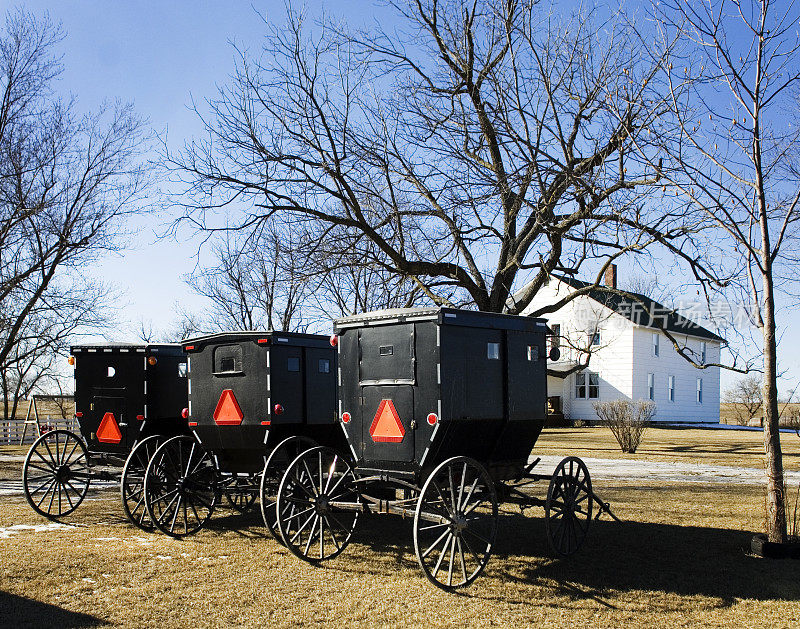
x,y
160,55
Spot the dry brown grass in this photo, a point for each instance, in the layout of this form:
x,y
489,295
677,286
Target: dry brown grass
x,y
742,448
679,559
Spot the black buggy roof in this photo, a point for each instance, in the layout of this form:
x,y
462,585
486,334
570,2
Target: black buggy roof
x,y
165,348
274,336
442,316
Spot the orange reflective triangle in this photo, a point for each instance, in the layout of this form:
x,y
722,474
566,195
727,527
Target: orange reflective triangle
x,y
387,427
228,412
108,431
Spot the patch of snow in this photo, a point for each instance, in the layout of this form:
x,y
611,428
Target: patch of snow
x,y
8,531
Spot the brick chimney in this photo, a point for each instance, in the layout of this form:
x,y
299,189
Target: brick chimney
x,y
611,276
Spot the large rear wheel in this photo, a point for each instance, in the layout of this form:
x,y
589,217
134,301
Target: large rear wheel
x,y
317,506
455,523
180,486
56,474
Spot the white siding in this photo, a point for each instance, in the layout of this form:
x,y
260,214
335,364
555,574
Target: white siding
x,y
669,363
624,359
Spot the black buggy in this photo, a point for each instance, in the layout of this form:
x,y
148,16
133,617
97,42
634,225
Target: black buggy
x,y
256,399
128,399
441,409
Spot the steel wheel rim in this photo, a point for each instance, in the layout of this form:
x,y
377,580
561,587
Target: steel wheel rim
x,y
455,523
180,487
56,474
568,510
274,468
132,483
317,505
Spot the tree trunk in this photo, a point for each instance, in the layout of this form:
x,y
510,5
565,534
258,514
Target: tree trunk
x,y
775,502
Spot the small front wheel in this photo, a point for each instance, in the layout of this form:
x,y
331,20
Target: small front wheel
x,y
132,483
568,510
455,523
241,492
56,474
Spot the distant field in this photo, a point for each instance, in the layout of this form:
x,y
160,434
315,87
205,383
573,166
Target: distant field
x,y
743,448
728,416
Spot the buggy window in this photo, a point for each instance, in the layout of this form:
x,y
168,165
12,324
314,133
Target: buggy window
x,y
183,370
324,365
493,351
293,363
111,371
228,359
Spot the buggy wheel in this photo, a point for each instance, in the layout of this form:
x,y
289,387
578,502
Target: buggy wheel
x,y
317,505
180,486
56,474
568,510
132,483
455,523
241,492
274,468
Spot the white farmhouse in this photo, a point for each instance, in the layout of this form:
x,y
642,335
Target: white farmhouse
x,y
630,356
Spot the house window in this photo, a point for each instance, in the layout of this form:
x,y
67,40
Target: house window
x,y
699,390
702,352
671,388
656,336
594,338
587,385
555,339
651,386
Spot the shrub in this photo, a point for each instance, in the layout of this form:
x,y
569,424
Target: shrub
x,y
627,420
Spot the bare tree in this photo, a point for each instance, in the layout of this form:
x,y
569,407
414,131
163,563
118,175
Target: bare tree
x,y
473,152
746,398
737,153
66,183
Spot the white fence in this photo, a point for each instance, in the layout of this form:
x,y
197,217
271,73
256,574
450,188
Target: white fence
x,y
11,432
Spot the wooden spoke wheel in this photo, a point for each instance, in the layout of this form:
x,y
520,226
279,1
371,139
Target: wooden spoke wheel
x,y
568,510
241,492
455,523
56,474
180,486
132,483
276,464
317,505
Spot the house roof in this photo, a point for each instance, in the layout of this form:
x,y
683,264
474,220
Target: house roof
x,y
642,310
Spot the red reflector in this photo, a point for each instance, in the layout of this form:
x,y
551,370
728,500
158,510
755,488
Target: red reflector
x,y
387,427
432,419
188,348
262,341
193,424
108,431
228,412
346,417
140,417
334,340
278,409
78,414
265,423
185,413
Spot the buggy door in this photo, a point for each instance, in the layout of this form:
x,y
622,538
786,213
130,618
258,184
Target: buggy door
x,y
286,382
387,372
104,429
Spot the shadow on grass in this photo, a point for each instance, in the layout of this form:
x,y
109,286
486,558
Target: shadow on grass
x,y
18,611
631,556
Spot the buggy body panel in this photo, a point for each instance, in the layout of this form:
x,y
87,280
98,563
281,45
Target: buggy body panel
x,y
462,383
248,390
143,399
